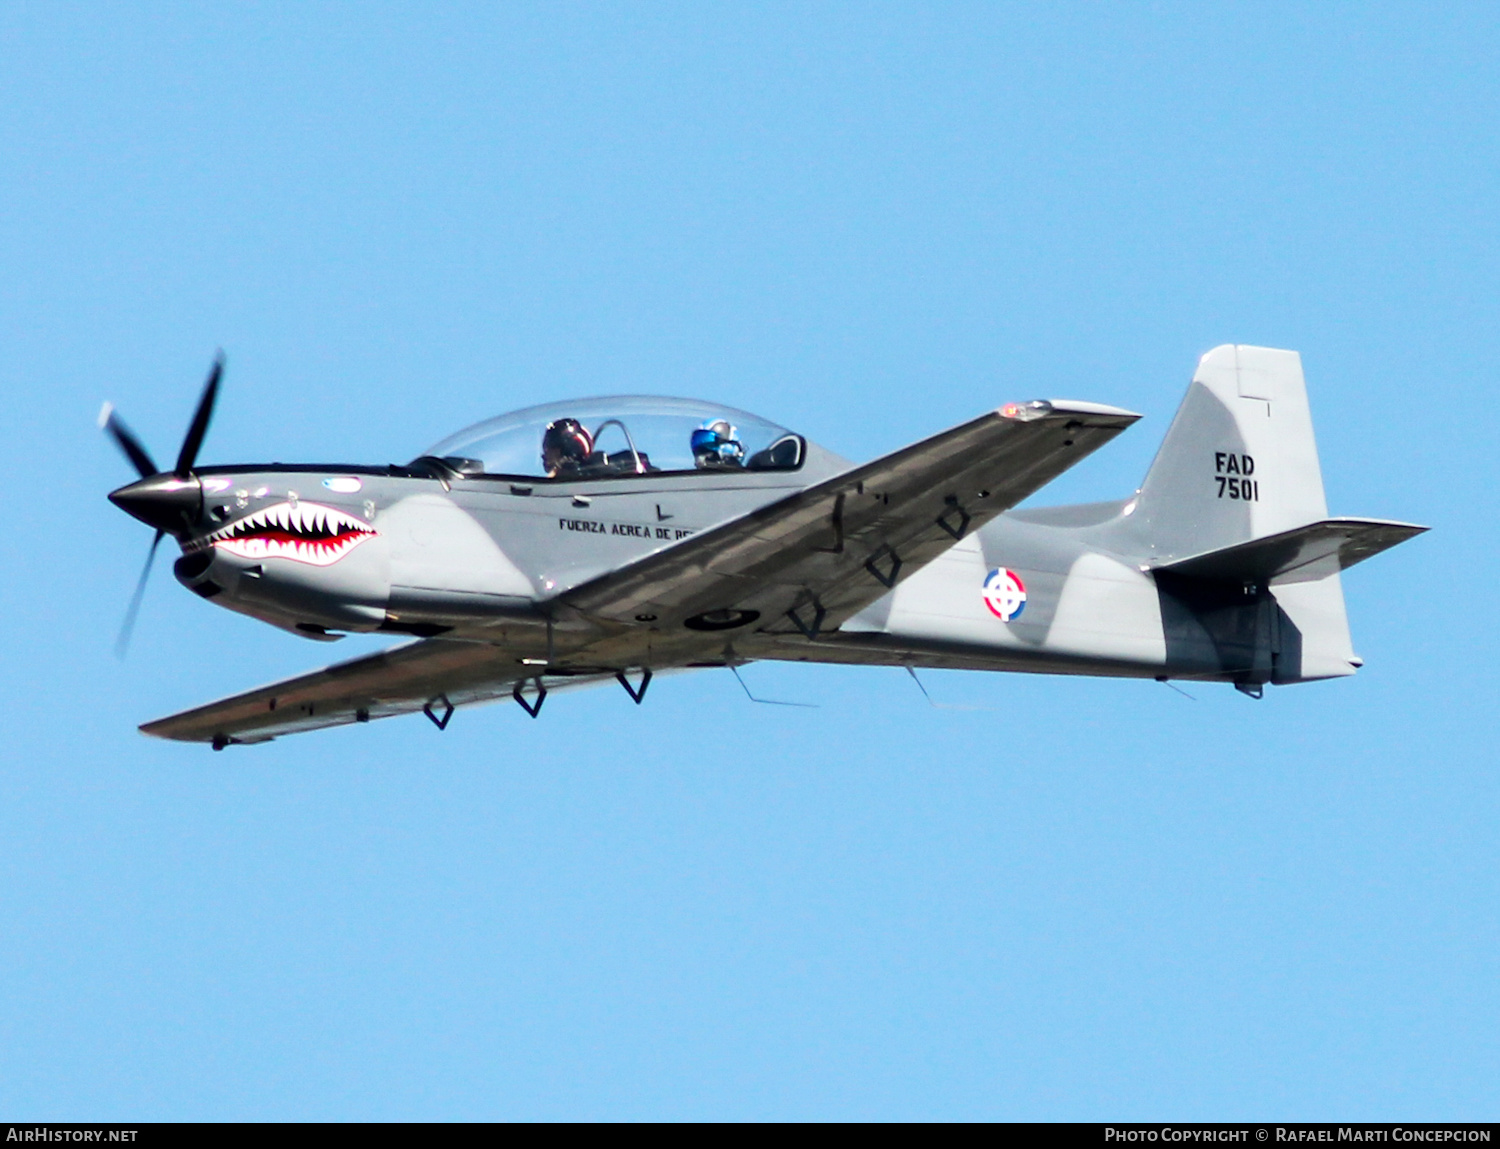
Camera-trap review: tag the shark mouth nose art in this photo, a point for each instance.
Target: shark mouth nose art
(302, 532)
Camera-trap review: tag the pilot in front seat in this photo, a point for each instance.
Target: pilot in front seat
(715, 446)
(566, 447)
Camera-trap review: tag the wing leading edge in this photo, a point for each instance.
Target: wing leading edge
(402, 680)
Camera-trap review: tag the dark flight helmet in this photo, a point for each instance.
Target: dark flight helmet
(565, 446)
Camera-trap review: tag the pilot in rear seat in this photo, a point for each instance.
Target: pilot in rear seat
(715, 446)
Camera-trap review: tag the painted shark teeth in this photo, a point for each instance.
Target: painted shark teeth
(300, 531)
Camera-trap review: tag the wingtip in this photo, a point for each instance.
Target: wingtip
(1047, 408)
(1083, 407)
(105, 412)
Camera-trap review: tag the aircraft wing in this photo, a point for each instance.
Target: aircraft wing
(811, 560)
(401, 680)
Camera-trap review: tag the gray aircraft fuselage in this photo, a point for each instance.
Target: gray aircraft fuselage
(1222, 567)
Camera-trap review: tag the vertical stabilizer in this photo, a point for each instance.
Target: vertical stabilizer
(1240, 463)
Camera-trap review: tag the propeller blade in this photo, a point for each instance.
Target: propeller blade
(115, 428)
(199, 426)
(122, 643)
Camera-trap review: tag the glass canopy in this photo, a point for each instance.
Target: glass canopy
(621, 436)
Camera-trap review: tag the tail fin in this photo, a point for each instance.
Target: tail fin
(1232, 505)
(1239, 461)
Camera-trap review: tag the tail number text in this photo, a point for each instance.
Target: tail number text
(1232, 472)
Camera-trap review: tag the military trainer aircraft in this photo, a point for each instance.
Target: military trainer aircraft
(608, 539)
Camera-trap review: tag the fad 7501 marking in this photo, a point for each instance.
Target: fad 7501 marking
(1232, 472)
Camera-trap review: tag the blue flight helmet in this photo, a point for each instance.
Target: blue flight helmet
(715, 445)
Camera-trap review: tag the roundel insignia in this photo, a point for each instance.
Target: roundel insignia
(1004, 593)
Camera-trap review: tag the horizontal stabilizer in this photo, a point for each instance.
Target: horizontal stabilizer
(1305, 554)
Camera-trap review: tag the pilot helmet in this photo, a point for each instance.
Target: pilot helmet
(715, 445)
(565, 443)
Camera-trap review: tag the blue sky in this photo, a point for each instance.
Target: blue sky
(1052, 899)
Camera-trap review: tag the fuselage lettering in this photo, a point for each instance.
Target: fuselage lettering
(628, 530)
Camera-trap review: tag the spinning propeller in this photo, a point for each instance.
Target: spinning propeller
(171, 500)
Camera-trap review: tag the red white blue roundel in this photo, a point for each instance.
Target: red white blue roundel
(1004, 593)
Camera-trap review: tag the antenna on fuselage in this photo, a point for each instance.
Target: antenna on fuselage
(766, 701)
(1165, 681)
(912, 670)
